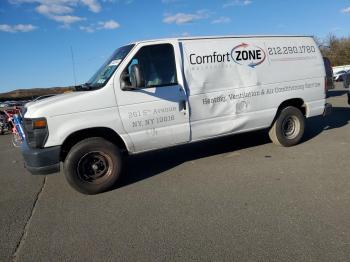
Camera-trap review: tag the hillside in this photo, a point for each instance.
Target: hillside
(28, 94)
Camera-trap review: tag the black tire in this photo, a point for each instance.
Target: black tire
(288, 127)
(1, 131)
(93, 165)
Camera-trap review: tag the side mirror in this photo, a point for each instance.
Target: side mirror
(136, 77)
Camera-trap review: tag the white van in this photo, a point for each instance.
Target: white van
(160, 93)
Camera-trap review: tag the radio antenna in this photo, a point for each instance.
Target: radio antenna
(73, 65)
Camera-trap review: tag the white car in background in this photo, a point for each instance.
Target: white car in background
(339, 76)
(346, 84)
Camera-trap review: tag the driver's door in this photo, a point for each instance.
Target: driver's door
(155, 115)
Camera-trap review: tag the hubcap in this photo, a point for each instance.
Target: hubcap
(290, 127)
(95, 167)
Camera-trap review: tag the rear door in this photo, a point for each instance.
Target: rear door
(155, 116)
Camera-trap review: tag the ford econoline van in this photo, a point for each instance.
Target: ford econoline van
(160, 93)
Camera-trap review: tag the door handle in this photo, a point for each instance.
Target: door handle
(183, 101)
(183, 106)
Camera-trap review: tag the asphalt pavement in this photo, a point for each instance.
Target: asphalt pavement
(238, 198)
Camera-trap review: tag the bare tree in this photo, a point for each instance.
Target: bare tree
(336, 49)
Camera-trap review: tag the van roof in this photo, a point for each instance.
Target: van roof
(214, 37)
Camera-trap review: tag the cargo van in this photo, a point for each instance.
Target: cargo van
(161, 93)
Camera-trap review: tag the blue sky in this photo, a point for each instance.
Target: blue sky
(36, 36)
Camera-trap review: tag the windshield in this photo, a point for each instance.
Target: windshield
(105, 72)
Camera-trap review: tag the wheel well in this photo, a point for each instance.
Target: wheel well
(296, 102)
(80, 135)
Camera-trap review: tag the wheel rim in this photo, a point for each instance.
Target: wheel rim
(290, 127)
(95, 167)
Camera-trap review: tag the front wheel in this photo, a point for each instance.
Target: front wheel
(93, 165)
(288, 127)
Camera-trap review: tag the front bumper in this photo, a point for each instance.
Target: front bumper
(327, 109)
(41, 161)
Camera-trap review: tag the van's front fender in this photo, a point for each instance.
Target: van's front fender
(62, 126)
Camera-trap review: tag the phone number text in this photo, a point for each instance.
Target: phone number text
(287, 50)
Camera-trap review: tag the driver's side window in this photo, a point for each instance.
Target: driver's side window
(157, 64)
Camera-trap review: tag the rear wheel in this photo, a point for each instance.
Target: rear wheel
(288, 127)
(93, 165)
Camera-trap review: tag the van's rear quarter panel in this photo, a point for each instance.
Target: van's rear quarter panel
(229, 95)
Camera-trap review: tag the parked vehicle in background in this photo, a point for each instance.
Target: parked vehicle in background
(347, 85)
(13, 124)
(337, 69)
(329, 73)
(346, 82)
(160, 93)
(339, 76)
(2, 126)
(15, 103)
(4, 122)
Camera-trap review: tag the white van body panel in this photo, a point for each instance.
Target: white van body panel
(228, 97)
(225, 85)
(76, 111)
(154, 117)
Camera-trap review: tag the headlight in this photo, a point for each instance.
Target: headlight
(36, 131)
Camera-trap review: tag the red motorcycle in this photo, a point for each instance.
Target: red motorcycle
(13, 121)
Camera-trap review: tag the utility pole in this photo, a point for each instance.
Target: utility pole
(73, 65)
